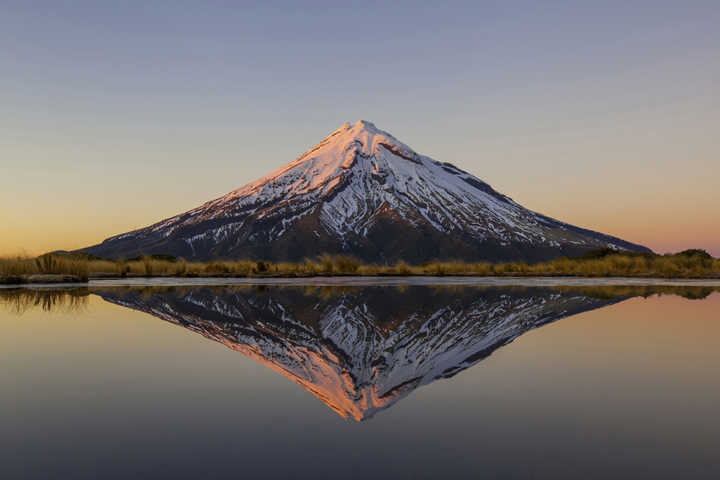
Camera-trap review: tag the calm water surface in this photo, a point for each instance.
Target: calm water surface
(360, 382)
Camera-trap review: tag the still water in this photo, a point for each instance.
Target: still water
(360, 382)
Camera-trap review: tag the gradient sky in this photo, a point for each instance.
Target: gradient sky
(114, 115)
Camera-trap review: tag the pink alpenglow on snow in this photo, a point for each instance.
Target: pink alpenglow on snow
(362, 192)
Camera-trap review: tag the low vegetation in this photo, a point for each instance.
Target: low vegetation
(601, 263)
(49, 266)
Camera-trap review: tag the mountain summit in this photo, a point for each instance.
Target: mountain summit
(362, 192)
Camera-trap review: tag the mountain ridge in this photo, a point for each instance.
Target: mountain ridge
(360, 191)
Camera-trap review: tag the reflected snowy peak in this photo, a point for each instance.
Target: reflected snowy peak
(361, 350)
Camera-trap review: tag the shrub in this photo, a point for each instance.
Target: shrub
(346, 264)
(216, 268)
(181, 268)
(148, 265)
(695, 252)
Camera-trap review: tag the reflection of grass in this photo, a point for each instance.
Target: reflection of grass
(21, 300)
(689, 264)
(608, 292)
(617, 291)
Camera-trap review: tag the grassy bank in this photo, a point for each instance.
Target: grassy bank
(688, 264)
(48, 267)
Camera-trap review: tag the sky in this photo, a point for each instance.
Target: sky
(114, 115)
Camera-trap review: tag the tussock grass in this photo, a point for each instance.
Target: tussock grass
(14, 267)
(688, 264)
(48, 264)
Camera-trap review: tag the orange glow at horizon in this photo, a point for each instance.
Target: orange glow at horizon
(664, 231)
(106, 132)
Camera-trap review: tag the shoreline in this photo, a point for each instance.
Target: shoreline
(379, 280)
(72, 268)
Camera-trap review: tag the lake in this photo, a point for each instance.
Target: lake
(345, 379)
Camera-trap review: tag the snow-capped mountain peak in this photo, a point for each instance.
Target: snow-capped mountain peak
(328, 160)
(364, 192)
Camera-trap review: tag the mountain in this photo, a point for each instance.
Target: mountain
(362, 192)
(361, 350)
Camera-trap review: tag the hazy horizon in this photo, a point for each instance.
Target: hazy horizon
(117, 116)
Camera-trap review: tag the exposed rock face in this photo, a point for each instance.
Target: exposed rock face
(362, 192)
(360, 350)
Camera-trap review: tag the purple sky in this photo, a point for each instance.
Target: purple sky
(117, 114)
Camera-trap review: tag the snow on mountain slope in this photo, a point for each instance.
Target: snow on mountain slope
(359, 169)
(352, 193)
(361, 351)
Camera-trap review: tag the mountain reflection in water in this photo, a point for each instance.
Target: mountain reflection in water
(358, 349)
